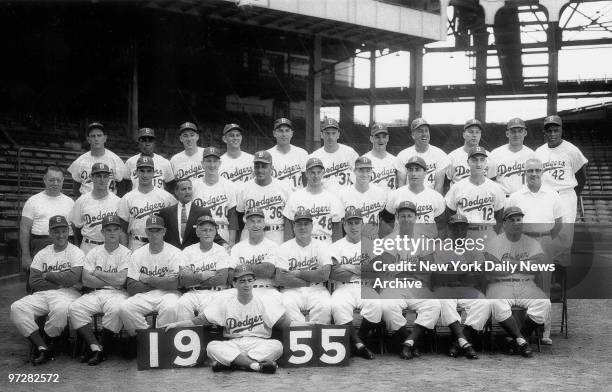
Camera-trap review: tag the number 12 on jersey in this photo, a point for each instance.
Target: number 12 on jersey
(315, 345)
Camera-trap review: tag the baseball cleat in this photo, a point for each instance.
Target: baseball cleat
(365, 352)
(43, 357)
(268, 367)
(406, 352)
(219, 367)
(85, 357)
(96, 358)
(525, 350)
(546, 341)
(454, 350)
(469, 352)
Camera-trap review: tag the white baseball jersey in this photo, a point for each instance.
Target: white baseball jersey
(254, 319)
(87, 214)
(80, 170)
(540, 208)
(237, 169)
(48, 260)
(246, 253)
(459, 168)
(429, 203)
(142, 261)
(163, 170)
(40, 207)
(102, 260)
(135, 207)
(560, 165)
(348, 253)
(384, 170)
(187, 166)
(338, 165)
(504, 250)
(219, 198)
(370, 202)
(214, 259)
(271, 198)
(291, 256)
(477, 202)
(325, 208)
(434, 157)
(509, 167)
(290, 166)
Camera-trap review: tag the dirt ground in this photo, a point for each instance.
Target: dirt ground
(581, 362)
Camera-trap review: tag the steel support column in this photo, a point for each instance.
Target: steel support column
(313, 96)
(372, 100)
(553, 35)
(481, 41)
(416, 82)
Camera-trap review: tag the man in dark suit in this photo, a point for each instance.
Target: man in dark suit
(181, 218)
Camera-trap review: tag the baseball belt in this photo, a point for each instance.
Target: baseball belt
(38, 236)
(512, 280)
(534, 234)
(320, 237)
(480, 227)
(216, 288)
(141, 239)
(261, 286)
(275, 227)
(88, 241)
(222, 225)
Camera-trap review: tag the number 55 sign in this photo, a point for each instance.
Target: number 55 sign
(316, 345)
(179, 347)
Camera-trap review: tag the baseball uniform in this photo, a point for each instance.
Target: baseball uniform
(80, 170)
(51, 302)
(163, 170)
(107, 299)
(338, 166)
(430, 205)
(246, 253)
(384, 170)
(509, 167)
(186, 166)
(87, 215)
(325, 208)
(40, 207)
(290, 166)
(434, 157)
(219, 199)
(370, 202)
(459, 168)
(313, 298)
(164, 302)
(135, 207)
(237, 169)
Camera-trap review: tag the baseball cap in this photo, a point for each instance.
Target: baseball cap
(515, 123)
(329, 123)
(406, 205)
(378, 128)
(352, 212)
(208, 151)
(145, 162)
(512, 211)
(99, 167)
(417, 123)
(58, 221)
(477, 151)
(554, 119)
(363, 161)
(416, 160)
(302, 214)
(255, 211)
(312, 162)
(155, 222)
(283, 121)
(112, 219)
(472, 122)
(187, 126)
(95, 125)
(262, 156)
(146, 132)
(457, 218)
(206, 218)
(231, 127)
(242, 270)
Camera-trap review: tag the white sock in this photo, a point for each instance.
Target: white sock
(255, 366)
(95, 347)
(520, 341)
(462, 342)
(409, 342)
(359, 346)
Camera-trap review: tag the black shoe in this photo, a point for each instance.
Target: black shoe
(406, 352)
(219, 367)
(453, 351)
(44, 356)
(469, 352)
(268, 367)
(96, 358)
(365, 352)
(525, 350)
(85, 357)
(416, 352)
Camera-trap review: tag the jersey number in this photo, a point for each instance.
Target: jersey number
(558, 174)
(325, 222)
(221, 211)
(276, 212)
(487, 213)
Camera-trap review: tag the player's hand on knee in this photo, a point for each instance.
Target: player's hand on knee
(26, 261)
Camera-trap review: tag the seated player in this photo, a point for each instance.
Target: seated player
(249, 346)
(104, 274)
(55, 276)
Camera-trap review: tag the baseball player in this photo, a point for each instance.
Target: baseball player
(370, 200)
(205, 272)
(80, 168)
(236, 165)
(248, 319)
(55, 276)
(303, 267)
(509, 160)
(267, 193)
(188, 163)
(91, 208)
(395, 300)
(337, 158)
(385, 166)
(218, 194)
(437, 161)
(519, 289)
(324, 207)
(460, 290)
(152, 281)
(258, 251)
(104, 274)
(458, 168)
(430, 203)
(480, 199)
(164, 175)
(140, 203)
(288, 160)
(350, 292)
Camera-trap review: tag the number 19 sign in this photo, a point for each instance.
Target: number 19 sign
(179, 347)
(316, 345)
